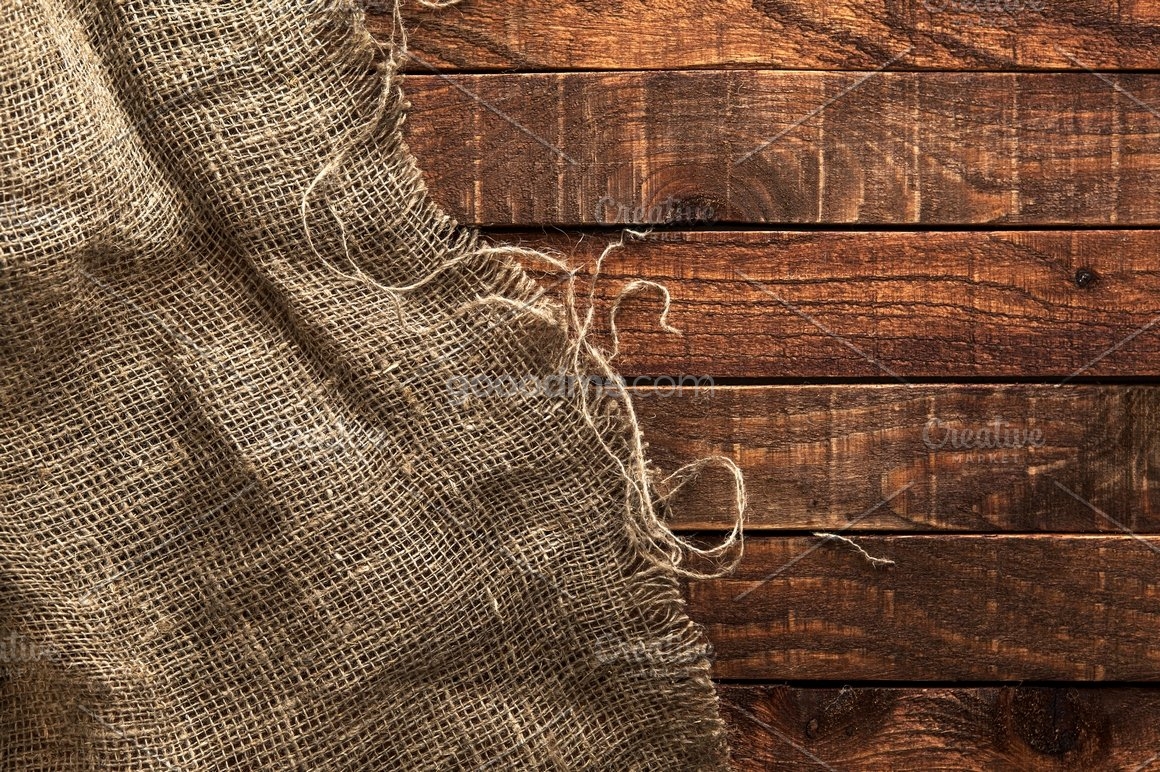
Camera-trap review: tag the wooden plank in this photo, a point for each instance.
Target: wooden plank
(888, 305)
(1002, 728)
(886, 457)
(759, 146)
(982, 608)
(805, 34)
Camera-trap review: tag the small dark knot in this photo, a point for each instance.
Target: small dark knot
(1085, 277)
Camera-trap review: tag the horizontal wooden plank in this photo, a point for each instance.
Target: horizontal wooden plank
(805, 34)
(982, 608)
(1033, 728)
(958, 457)
(759, 146)
(889, 305)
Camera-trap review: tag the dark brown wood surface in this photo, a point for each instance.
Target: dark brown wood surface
(952, 607)
(759, 146)
(1011, 457)
(978, 145)
(1030, 729)
(885, 305)
(804, 34)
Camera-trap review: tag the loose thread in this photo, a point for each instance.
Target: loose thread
(874, 561)
(690, 472)
(643, 510)
(630, 289)
(354, 137)
(521, 306)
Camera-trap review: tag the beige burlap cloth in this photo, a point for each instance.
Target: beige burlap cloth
(263, 505)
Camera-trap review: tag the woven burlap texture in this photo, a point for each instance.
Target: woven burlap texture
(261, 508)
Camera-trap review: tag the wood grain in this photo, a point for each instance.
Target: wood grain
(888, 305)
(1072, 459)
(759, 146)
(983, 608)
(804, 34)
(1023, 729)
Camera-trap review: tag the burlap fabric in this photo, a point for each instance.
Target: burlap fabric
(263, 506)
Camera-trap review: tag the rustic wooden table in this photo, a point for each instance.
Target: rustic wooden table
(911, 248)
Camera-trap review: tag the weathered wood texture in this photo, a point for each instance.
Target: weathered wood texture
(804, 34)
(921, 148)
(884, 305)
(758, 146)
(984, 608)
(958, 457)
(1020, 729)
